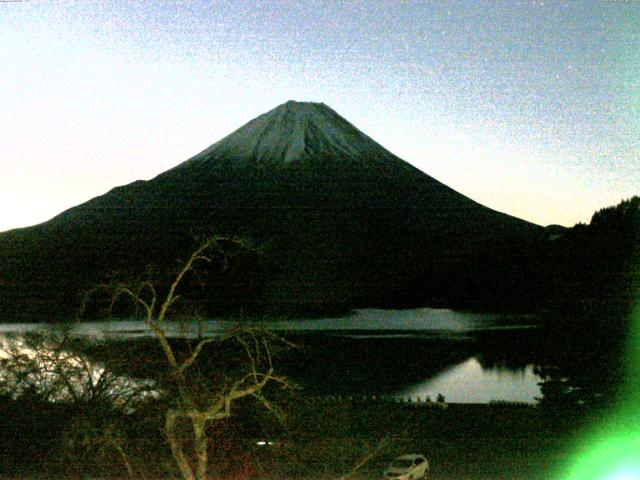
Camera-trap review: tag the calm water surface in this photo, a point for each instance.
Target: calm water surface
(468, 358)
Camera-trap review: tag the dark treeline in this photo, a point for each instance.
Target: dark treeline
(593, 281)
(596, 265)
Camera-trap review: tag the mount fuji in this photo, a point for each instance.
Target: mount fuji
(341, 223)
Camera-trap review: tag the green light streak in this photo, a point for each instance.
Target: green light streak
(625, 474)
(611, 451)
(613, 458)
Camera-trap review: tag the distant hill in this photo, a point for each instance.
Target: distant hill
(341, 222)
(597, 265)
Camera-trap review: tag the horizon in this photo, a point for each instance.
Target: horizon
(528, 108)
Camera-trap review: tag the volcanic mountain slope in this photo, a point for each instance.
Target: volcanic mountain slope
(341, 222)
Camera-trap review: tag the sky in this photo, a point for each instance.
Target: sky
(530, 108)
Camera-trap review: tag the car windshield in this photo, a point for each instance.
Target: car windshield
(402, 463)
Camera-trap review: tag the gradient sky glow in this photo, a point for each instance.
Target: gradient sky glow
(531, 108)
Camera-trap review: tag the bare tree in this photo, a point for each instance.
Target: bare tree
(193, 400)
(43, 367)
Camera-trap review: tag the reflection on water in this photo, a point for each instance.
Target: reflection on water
(469, 382)
(411, 353)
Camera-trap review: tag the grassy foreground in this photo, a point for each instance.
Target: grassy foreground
(315, 441)
(461, 441)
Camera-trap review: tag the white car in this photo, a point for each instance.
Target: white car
(407, 467)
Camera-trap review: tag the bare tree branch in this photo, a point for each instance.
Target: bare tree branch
(194, 355)
(370, 455)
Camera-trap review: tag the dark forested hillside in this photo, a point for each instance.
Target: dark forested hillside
(595, 265)
(593, 282)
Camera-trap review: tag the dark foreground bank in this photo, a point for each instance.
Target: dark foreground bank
(308, 440)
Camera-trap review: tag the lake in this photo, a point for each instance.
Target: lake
(410, 354)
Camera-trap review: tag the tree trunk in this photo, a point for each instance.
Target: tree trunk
(176, 449)
(201, 440)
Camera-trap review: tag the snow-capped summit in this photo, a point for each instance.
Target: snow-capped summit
(291, 132)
